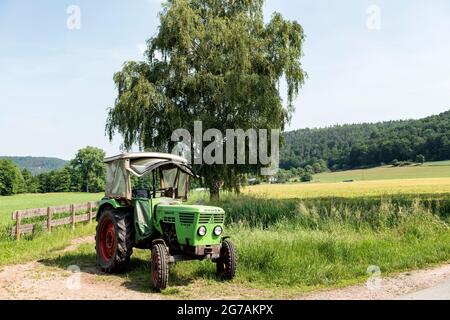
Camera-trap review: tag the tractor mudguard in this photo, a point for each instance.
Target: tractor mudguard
(104, 203)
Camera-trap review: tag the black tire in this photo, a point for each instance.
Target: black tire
(227, 262)
(160, 266)
(114, 241)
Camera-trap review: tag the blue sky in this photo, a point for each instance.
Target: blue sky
(56, 84)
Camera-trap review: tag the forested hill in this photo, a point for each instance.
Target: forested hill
(37, 164)
(369, 144)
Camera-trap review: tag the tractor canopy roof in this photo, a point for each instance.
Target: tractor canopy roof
(146, 155)
(119, 168)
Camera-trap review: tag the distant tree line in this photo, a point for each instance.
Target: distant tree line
(37, 164)
(85, 173)
(304, 174)
(365, 145)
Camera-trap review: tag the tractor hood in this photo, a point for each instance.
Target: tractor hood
(169, 204)
(180, 207)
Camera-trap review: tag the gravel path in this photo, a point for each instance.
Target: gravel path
(402, 286)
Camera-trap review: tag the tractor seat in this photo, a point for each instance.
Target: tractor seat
(142, 193)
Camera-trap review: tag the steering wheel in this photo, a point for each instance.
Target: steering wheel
(164, 190)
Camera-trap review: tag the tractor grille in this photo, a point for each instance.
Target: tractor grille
(211, 218)
(186, 218)
(205, 218)
(219, 218)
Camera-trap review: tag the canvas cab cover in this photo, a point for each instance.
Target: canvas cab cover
(174, 171)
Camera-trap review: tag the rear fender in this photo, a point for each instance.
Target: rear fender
(108, 203)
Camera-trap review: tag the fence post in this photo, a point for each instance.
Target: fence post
(90, 211)
(49, 219)
(72, 210)
(18, 218)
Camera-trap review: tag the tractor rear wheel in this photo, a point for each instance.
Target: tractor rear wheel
(160, 266)
(227, 262)
(114, 241)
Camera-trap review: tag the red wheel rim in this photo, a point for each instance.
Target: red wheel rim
(107, 239)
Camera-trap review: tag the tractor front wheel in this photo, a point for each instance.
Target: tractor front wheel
(227, 262)
(114, 241)
(160, 266)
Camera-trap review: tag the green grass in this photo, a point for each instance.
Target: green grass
(428, 170)
(40, 246)
(292, 258)
(304, 243)
(437, 163)
(295, 257)
(30, 201)
(292, 244)
(300, 245)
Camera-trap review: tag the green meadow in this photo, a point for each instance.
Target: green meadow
(290, 238)
(428, 170)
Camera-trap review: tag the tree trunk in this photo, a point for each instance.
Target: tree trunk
(214, 191)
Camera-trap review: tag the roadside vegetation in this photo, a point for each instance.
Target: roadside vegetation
(290, 237)
(302, 244)
(41, 244)
(295, 244)
(287, 246)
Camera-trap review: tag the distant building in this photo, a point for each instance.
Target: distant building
(273, 179)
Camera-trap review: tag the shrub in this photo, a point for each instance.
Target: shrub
(11, 179)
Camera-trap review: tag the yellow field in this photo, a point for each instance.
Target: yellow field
(351, 189)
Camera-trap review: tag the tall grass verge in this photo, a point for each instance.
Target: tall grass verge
(359, 213)
(296, 244)
(40, 245)
(318, 242)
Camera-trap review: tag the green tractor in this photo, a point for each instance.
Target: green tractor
(153, 216)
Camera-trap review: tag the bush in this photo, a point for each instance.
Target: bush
(11, 179)
(320, 166)
(420, 158)
(307, 177)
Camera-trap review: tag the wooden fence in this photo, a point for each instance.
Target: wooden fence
(78, 213)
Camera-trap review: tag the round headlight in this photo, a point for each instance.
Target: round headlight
(201, 231)
(218, 230)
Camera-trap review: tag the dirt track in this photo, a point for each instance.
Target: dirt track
(390, 288)
(35, 280)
